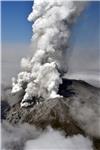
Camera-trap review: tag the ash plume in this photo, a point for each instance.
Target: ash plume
(27, 137)
(42, 73)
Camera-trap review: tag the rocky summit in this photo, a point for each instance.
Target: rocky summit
(77, 112)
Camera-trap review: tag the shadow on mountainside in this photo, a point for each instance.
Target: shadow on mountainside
(56, 112)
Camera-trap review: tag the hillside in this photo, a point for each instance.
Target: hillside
(76, 112)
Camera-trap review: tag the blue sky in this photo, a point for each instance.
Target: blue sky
(17, 32)
(87, 29)
(16, 28)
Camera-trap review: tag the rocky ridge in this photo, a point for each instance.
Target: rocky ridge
(58, 112)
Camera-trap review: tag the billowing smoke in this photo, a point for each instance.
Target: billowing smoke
(59, 142)
(27, 137)
(42, 73)
(14, 137)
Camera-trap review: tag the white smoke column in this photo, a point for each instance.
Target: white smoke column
(52, 21)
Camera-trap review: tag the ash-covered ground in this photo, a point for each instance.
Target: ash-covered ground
(75, 114)
(42, 110)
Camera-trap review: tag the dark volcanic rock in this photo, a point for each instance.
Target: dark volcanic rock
(5, 107)
(52, 112)
(77, 112)
(96, 143)
(79, 107)
(64, 88)
(16, 114)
